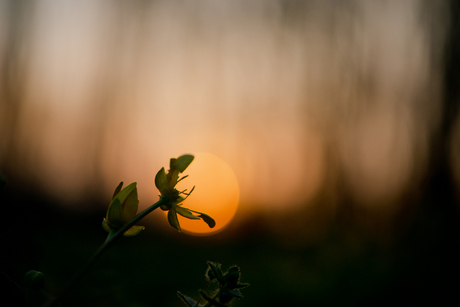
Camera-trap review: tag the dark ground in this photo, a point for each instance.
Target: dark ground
(345, 268)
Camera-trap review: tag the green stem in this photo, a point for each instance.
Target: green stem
(214, 298)
(205, 288)
(111, 238)
(209, 304)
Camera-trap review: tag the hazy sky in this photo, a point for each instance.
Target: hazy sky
(288, 96)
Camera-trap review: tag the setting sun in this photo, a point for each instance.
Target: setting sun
(216, 193)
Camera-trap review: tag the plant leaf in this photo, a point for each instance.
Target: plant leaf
(186, 213)
(161, 182)
(130, 206)
(115, 213)
(213, 301)
(105, 225)
(209, 220)
(117, 189)
(215, 268)
(182, 162)
(235, 293)
(240, 285)
(172, 218)
(133, 231)
(124, 193)
(188, 300)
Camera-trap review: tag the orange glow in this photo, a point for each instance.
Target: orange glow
(216, 193)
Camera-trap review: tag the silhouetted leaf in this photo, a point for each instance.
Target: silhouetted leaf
(188, 300)
(209, 220)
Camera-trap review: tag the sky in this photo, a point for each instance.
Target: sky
(290, 96)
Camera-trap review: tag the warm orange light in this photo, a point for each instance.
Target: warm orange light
(216, 193)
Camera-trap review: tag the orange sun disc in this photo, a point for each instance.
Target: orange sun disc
(216, 193)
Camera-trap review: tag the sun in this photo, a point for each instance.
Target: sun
(216, 193)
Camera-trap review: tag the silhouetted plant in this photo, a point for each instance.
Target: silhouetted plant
(166, 183)
(121, 220)
(228, 287)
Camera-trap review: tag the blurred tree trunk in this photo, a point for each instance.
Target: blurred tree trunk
(430, 251)
(13, 75)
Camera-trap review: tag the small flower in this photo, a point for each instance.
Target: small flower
(228, 287)
(166, 183)
(229, 284)
(122, 209)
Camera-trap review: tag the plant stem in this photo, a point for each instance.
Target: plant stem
(205, 288)
(111, 238)
(210, 303)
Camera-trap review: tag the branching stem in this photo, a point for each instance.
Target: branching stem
(111, 238)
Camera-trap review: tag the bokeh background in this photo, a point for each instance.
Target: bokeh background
(339, 119)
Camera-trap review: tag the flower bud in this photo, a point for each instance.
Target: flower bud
(34, 280)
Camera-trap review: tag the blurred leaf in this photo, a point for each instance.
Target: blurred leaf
(209, 299)
(34, 280)
(188, 300)
(217, 272)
